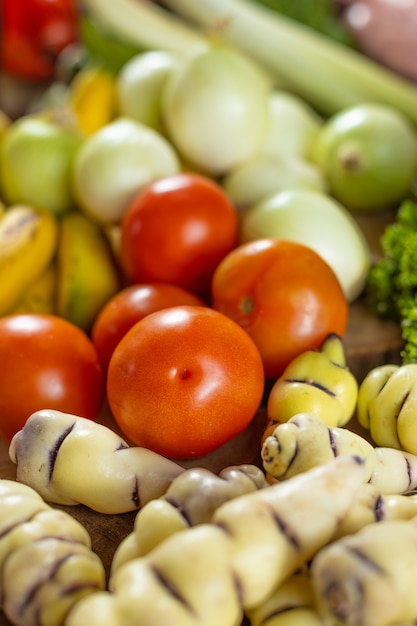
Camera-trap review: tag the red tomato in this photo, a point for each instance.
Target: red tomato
(176, 231)
(129, 306)
(284, 295)
(46, 363)
(184, 381)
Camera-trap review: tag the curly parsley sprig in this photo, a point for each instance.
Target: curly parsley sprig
(392, 281)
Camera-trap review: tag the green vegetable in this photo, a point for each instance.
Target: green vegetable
(318, 14)
(391, 288)
(143, 24)
(110, 51)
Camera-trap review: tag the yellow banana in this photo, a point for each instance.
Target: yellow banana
(28, 243)
(93, 99)
(387, 404)
(87, 271)
(40, 296)
(317, 381)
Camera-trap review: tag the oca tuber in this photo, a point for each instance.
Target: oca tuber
(191, 499)
(211, 573)
(46, 561)
(305, 441)
(72, 460)
(368, 578)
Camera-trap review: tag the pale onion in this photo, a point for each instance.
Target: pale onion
(140, 84)
(293, 126)
(265, 175)
(318, 221)
(117, 162)
(36, 156)
(215, 108)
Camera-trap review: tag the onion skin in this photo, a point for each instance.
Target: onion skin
(215, 108)
(116, 163)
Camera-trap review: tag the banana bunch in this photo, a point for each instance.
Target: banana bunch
(387, 406)
(28, 242)
(65, 266)
(317, 381)
(92, 98)
(87, 270)
(305, 441)
(46, 561)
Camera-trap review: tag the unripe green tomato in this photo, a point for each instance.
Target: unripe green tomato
(36, 157)
(368, 153)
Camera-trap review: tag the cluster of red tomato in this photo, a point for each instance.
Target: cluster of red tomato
(182, 352)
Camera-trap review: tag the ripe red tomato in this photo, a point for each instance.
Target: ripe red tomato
(176, 231)
(185, 380)
(129, 306)
(47, 363)
(284, 295)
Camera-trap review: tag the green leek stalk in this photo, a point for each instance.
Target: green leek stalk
(327, 74)
(143, 24)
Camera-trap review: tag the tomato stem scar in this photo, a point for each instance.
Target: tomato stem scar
(247, 305)
(184, 374)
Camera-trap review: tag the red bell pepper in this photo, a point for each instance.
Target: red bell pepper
(34, 32)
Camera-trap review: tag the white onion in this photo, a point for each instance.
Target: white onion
(117, 162)
(215, 108)
(293, 126)
(266, 175)
(318, 221)
(140, 84)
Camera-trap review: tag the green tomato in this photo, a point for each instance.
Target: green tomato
(36, 157)
(368, 154)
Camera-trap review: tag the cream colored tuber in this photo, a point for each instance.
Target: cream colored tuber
(305, 441)
(211, 573)
(291, 604)
(191, 499)
(387, 404)
(368, 578)
(72, 460)
(46, 561)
